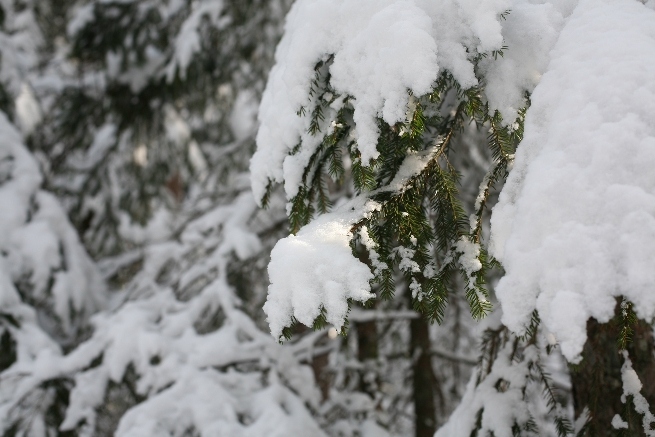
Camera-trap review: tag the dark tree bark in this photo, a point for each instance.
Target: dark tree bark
(367, 349)
(424, 403)
(323, 377)
(596, 381)
(367, 340)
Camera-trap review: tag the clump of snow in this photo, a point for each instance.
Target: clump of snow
(413, 164)
(618, 423)
(382, 49)
(27, 109)
(632, 387)
(315, 270)
(575, 223)
(530, 31)
(370, 245)
(406, 263)
(177, 130)
(469, 255)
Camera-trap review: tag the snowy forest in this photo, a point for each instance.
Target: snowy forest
(327, 218)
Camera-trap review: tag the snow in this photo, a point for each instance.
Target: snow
(192, 384)
(243, 119)
(501, 408)
(315, 270)
(382, 49)
(618, 423)
(574, 227)
(632, 387)
(176, 333)
(103, 140)
(575, 223)
(370, 246)
(529, 31)
(469, 254)
(42, 261)
(36, 239)
(27, 109)
(81, 17)
(187, 41)
(177, 130)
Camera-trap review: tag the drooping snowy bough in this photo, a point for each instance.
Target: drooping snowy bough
(376, 95)
(380, 88)
(366, 106)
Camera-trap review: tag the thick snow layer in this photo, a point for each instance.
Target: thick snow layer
(575, 223)
(315, 270)
(530, 31)
(382, 49)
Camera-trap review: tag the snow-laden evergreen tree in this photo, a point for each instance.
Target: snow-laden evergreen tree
(49, 286)
(363, 121)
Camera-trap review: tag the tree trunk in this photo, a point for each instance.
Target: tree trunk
(424, 404)
(367, 349)
(597, 384)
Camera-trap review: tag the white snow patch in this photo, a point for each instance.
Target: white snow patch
(316, 269)
(575, 223)
(27, 109)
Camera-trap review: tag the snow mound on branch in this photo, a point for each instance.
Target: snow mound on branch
(530, 32)
(575, 223)
(315, 270)
(382, 49)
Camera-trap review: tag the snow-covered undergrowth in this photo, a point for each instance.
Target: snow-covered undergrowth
(575, 223)
(176, 350)
(202, 363)
(40, 249)
(48, 285)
